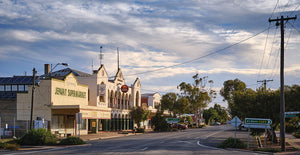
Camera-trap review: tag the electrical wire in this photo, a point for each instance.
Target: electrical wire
(201, 57)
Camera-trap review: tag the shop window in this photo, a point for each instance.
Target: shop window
(14, 87)
(1, 87)
(7, 87)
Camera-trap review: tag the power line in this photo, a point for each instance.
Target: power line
(204, 56)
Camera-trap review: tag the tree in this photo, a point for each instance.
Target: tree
(215, 114)
(181, 106)
(138, 115)
(197, 94)
(168, 101)
(159, 122)
(230, 87)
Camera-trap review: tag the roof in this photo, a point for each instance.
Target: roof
(66, 71)
(28, 80)
(148, 94)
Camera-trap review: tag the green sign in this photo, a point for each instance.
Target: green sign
(290, 115)
(172, 120)
(257, 121)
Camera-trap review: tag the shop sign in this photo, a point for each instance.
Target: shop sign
(124, 88)
(69, 92)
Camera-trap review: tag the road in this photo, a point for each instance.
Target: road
(190, 141)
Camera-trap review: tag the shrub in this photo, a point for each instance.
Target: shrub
(3, 145)
(38, 137)
(140, 130)
(297, 135)
(12, 147)
(72, 141)
(159, 122)
(229, 143)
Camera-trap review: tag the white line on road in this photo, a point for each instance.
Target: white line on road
(201, 145)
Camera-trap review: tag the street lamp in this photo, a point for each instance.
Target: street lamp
(64, 64)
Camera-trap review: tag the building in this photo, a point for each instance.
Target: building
(60, 95)
(9, 88)
(152, 102)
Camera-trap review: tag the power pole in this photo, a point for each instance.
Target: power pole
(282, 103)
(265, 83)
(32, 99)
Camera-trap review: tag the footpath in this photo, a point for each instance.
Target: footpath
(292, 142)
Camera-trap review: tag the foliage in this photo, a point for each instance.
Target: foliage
(2, 145)
(292, 124)
(215, 114)
(159, 122)
(197, 93)
(72, 141)
(140, 130)
(297, 135)
(229, 143)
(38, 137)
(261, 103)
(138, 114)
(12, 147)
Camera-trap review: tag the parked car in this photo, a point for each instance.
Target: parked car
(182, 126)
(242, 127)
(217, 123)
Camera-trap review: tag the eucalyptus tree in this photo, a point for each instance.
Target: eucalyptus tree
(197, 94)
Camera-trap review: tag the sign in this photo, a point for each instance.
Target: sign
(124, 88)
(236, 121)
(266, 126)
(172, 120)
(290, 115)
(257, 121)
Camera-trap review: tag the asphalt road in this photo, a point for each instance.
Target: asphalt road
(190, 141)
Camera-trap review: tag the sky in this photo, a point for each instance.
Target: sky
(163, 43)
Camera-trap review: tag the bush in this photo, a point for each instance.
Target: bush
(159, 122)
(38, 137)
(3, 145)
(12, 147)
(140, 130)
(72, 141)
(229, 143)
(297, 135)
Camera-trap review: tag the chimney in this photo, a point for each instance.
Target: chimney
(47, 68)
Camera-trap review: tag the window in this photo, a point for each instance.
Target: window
(21, 88)
(7, 87)
(83, 124)
(101, 98)
(26, 87)
(14, 87)
(1, 87)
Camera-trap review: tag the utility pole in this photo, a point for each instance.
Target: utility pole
(32, 99)
(282, 102)
(265, 83)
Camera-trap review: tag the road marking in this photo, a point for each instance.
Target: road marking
(201, 145)
(144, 149)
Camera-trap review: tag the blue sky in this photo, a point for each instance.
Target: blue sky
(152, 35)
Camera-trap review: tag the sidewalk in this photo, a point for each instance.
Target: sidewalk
(104, 135)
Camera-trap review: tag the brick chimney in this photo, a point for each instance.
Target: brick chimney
(47, 68)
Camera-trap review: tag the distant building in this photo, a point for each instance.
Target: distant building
(9, 88)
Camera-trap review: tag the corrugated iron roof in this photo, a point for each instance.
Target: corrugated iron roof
(27, 80)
